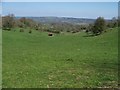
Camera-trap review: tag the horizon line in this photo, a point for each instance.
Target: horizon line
(63, 17)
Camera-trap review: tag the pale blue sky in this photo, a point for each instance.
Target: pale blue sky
(62, 9)
(60, 0)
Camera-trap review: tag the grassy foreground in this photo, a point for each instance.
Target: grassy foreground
(64, 60)
(0, 58)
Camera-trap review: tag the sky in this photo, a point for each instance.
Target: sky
(59, 0)
(61, 9)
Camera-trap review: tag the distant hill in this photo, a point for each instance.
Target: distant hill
(62, 20)
(70, 20)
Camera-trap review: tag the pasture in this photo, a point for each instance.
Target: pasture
(0, 58)
(69, 60)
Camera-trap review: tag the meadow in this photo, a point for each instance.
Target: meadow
(64, 60)
(0, 58)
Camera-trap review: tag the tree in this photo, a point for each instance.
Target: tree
(114, 22)
(26, 22)
(99, 26)
(18, 23)
(8, 21)
(23, 21)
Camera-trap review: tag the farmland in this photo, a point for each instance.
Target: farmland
(62, 60)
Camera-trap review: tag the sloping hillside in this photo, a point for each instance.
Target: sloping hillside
(63, 60)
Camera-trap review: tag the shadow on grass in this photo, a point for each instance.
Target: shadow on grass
(89, 35)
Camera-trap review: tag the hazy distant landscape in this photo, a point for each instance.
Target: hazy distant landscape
(62, 20)
(59, 52)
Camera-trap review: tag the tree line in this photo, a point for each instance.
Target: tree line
(96, 28)
(101, 26)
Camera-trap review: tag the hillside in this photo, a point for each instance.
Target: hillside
(64, 60)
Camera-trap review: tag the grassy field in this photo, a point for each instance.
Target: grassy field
(63, 60)
(0, 58)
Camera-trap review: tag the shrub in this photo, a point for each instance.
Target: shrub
(55, 31)
(36, 29)
(21, 30)
(68, 30)
(8, 29)
(99, 26)
(8, 21)
(30, 31)
(74, 31)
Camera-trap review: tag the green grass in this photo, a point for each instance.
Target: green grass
(0, 58)
(64, 60)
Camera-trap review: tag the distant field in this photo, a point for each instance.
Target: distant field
(64, 60)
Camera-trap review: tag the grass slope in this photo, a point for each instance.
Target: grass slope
(0, 58)
(65, 60)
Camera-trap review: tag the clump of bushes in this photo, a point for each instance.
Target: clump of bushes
(30, 31)
(8, 29)
(36, 29)
(73, 31)
(52, 31)
(55, 31)
(68, 31)
(21, 30)
(98, 27)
